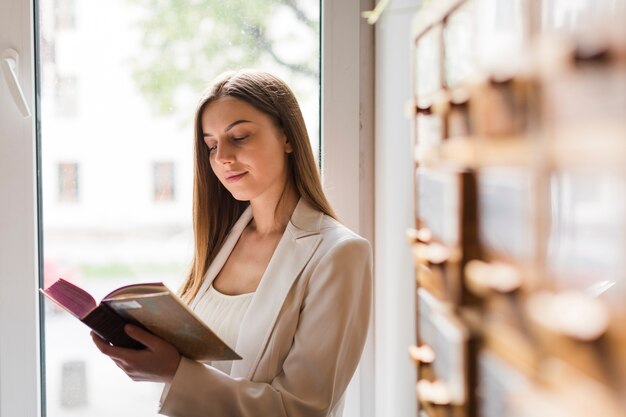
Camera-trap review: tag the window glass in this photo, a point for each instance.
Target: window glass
(119, 81)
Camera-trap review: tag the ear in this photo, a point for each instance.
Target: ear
(288, 147)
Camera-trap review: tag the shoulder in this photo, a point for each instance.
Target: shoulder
(307, 220)
(334, 237)
(333, 230)
(339, 239)
(341, 262)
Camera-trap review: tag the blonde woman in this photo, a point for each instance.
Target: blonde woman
(274, 272)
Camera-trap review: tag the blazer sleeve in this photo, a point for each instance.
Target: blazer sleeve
(325, 353)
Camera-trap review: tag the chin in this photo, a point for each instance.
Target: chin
(240, 198)
(241, 195)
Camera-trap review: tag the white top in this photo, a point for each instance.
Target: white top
(223, 314)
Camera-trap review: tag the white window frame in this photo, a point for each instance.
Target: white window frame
(395, 296)
(19, 301)
(347, 146)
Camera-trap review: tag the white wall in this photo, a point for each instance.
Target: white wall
(395, 288)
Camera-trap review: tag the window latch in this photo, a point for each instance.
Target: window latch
(10, 63)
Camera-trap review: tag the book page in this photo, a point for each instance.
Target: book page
(137, 289)
(70, 297)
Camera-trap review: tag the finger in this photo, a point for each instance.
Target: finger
(142, 336)
(106, 348)
(100, 343)
(120, 364)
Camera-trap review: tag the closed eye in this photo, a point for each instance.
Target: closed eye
(212, 148)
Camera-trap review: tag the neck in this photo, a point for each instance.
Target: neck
(271, 215)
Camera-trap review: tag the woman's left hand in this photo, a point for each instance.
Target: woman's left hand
(157, 363)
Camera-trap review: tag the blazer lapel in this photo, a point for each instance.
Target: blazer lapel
(297, 245)
(224, 253)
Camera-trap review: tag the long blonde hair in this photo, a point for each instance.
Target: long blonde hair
(215, 210)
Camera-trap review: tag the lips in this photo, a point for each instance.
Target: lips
(231, 178)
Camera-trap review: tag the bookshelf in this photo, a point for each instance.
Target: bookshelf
(519, 138)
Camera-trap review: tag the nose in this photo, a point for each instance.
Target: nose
(224, 154)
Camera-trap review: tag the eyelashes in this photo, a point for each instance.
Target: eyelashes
(237, 139)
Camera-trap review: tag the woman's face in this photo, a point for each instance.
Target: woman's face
(247, 151)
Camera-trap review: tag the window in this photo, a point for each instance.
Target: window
(163, 177)
(68, 182)
(126, 79)
(101, 136)
(65, 14)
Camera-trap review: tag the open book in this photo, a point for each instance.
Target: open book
(150, 306)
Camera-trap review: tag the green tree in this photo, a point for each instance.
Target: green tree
(186, 43)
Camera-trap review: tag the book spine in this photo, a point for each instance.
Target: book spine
(107, 324)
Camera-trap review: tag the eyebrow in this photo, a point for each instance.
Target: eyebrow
(230, 126)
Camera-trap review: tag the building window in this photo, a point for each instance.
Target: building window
(163, 178)
(68, 182)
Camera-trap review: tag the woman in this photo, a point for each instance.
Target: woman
(274, 273)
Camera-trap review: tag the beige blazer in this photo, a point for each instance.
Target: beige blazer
(302, 336)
